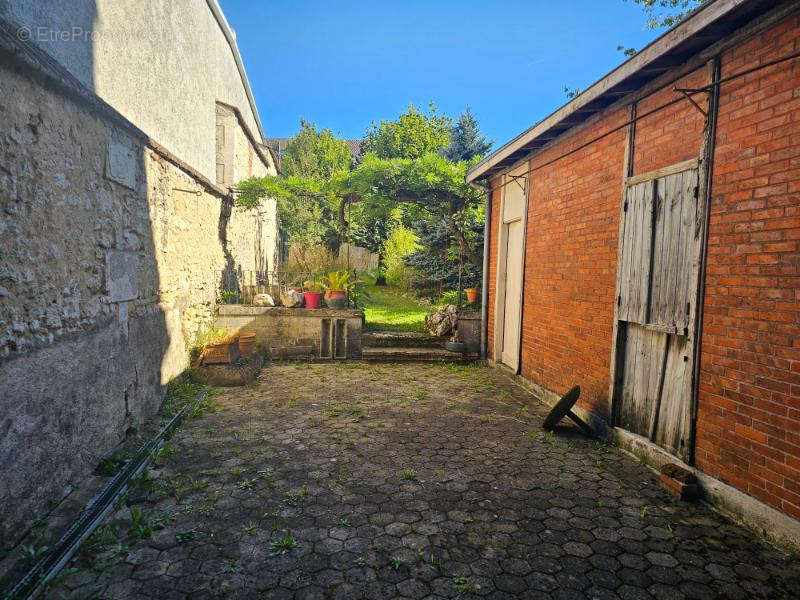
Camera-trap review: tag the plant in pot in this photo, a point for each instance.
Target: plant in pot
(222, 348)
(313, 292)
(336, 285)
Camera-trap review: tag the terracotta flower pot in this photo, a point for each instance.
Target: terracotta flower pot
(223, 353)
(313, 299)
(246, 342)
(336, 298)
(472, 294)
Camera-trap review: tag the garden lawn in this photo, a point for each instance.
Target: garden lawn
(389, 309)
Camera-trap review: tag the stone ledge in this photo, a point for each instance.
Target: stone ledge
(243, 310)
(776, 526)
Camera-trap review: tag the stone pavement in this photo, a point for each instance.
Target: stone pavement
(416, 481)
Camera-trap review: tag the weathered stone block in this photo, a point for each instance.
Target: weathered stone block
(122, 163)
(122, 275)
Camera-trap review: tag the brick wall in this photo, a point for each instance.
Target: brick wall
(673, 134)
(748, 426)
(570, 264)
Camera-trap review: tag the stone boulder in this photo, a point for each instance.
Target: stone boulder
(292, 299)
(442, 321)
(263, 300)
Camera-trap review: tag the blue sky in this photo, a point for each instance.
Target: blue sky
(345, 64)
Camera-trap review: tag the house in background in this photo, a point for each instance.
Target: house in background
(644, 242)
(124, 126)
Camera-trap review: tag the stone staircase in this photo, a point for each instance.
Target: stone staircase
(390, 346)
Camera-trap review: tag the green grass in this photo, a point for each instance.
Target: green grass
(388, 309)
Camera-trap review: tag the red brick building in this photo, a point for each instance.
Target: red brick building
(643, 242)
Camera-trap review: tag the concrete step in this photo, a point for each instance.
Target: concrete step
(403, 354)
(400, 339)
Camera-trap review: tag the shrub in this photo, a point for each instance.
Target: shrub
(400, 243)
(316, 258)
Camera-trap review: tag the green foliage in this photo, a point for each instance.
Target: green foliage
(210, 334)
(666, 13)
(413, 135)
(32, 552)
(466, 140)
(315, 154)
(113, 463)
(571, 92)
(401, 243)
(390, 309)
(436, 264)
(143, 523)
(231, 297)
(313, 285)
(282, 545)
(337, 281)
(627, 51)
(182, 391)
(308, 214)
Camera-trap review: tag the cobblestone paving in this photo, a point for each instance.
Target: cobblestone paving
(409, 481)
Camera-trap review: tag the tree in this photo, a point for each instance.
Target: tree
(466, 140)
(431, 183)
(317, 154)
(308, 213)
(677, 11)
(412, 135)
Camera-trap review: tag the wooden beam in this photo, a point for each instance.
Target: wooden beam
(686, 165)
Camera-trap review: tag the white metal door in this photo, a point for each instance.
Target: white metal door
(513, 283)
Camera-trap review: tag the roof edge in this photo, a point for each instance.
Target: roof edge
(213, 5)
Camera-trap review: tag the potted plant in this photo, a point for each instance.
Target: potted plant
(472, 295)
(336, 285)
(312, 293)
(222, 350)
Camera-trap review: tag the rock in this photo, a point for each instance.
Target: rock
(263, 300)
(292, 299)
(442, 321)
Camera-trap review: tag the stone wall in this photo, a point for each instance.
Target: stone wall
(110, 249)
(298, 332)
(178, 58)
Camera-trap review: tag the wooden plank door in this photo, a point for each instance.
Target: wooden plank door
(657, 281)
(513, 283)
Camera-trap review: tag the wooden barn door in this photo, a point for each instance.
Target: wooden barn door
(657, 282)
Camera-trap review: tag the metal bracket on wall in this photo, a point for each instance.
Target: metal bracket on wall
(516, 179)
(688, 92)
(195, 192)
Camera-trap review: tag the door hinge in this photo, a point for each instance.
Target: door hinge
(688, 307)
(619, 300)
(625, 206)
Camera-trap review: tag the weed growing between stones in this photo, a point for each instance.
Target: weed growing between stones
(282, 545)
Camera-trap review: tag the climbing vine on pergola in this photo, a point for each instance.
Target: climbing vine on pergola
(431, 183)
